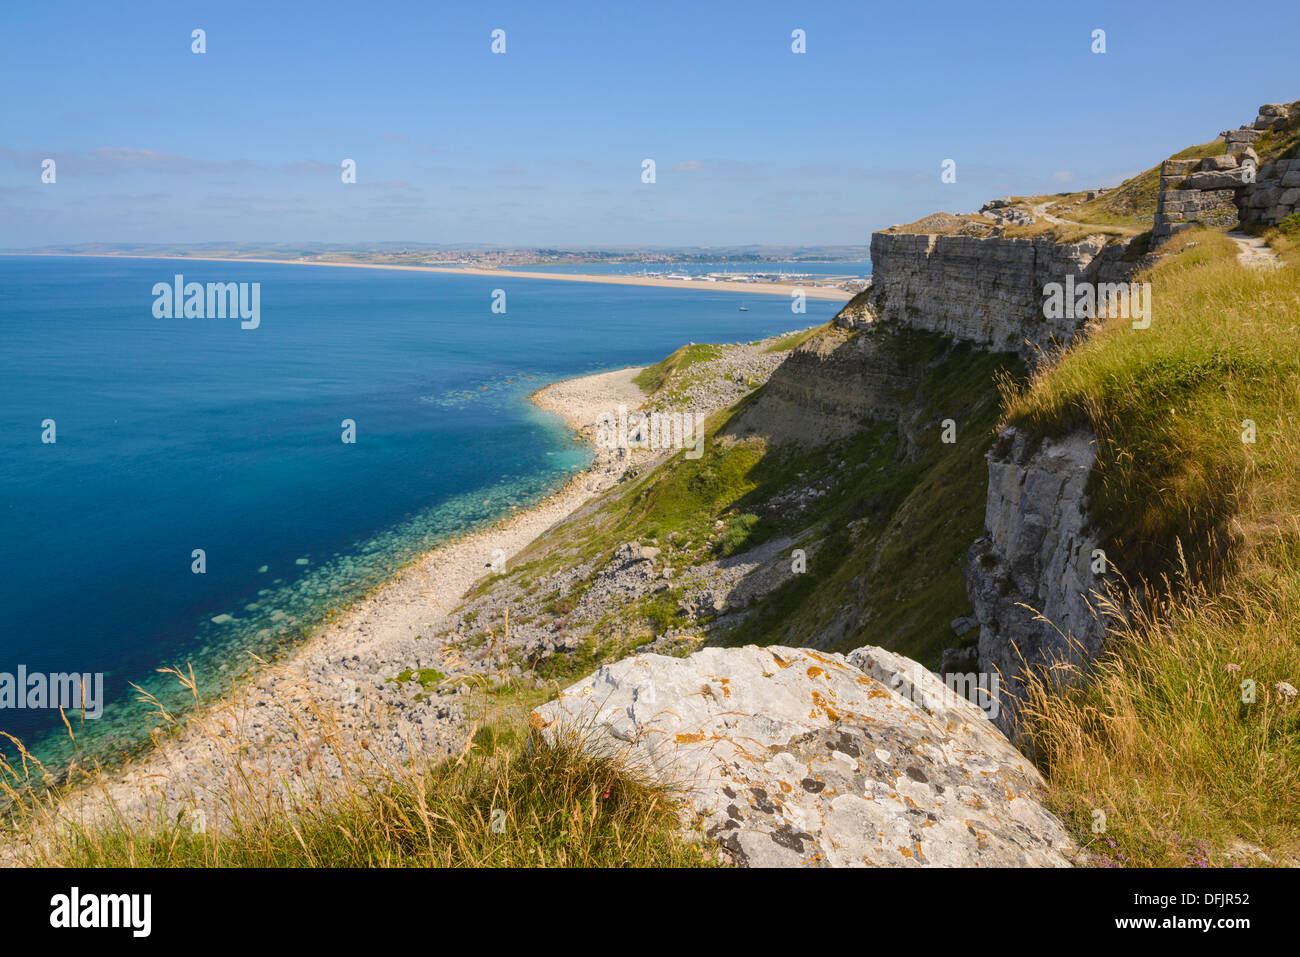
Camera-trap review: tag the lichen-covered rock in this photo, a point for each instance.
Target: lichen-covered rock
(793, 757)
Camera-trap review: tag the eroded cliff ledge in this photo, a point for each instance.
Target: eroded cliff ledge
(986, 291)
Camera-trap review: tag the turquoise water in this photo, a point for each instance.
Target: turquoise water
(182, 434)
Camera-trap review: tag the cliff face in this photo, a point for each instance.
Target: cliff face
(830, 386)
(874, 441)
(988, 292)
(1222, 190)
(1031, 574)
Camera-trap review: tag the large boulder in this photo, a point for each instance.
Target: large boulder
(792, 757)
(1225, 161)
(1217, 179)
(632, 552)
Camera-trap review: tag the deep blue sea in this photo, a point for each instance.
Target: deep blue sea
(179, 434)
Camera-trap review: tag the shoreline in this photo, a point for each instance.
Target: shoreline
(378, 635)
(757, 288)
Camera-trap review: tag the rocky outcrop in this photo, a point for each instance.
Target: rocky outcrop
(1030, 576)
(830, 387)
(1199, 192)
(1005, 212)
(1274, 195)
(988, 292)
(1220, 191)
(791, 757)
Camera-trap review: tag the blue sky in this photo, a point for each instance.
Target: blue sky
(543, 145)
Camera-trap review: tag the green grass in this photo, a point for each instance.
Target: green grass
(743, 532)
(1157, 734)
(427, 677)
(1134, 200)
(892, 532)
(794, 340)
(1167, 404)
(652, 378)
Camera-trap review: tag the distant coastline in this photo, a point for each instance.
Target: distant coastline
(755, 288)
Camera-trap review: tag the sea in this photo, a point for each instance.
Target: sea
(179, 492)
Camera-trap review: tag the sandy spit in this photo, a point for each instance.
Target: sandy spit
(757, 288)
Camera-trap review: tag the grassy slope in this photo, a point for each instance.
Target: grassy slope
(894, 533)
(1134, 200)
(549, 806)
(889, 535)
(652, 378)
(1159, 736)
(793, 340)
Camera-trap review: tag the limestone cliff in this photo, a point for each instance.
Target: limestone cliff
(830, 386)
(986, 291)
(1031, 575)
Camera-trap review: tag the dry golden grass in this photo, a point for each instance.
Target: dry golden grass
(511, 798)
(1134, 200)
(1157, 734)
(1183, 734)
(1071, 232)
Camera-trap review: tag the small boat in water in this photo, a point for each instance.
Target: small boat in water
(744, 308)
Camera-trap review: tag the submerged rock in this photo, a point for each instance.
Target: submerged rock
(793, 757)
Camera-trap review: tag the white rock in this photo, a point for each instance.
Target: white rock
(796, 757)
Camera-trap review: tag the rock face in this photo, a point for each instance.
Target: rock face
(1274, 195)
(988, 292)
(1199, 191)
(791, 757)
(1037, 551)
(1274, 116)
(829, 387)
(1005, 213)
(1222, 190)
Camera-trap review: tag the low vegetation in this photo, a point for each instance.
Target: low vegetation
(1071, 232)
(886, 522)
(652, 378)
(1186, 733)
(1170, 404)
(513, 798)
(1134, 200)
(794, 340)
